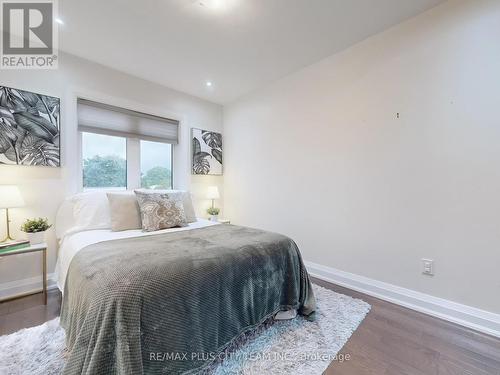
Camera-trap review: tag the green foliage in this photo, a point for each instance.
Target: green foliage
(35, 225)
(213, 211)
(107, 171)
(157, 178)
(111, 171)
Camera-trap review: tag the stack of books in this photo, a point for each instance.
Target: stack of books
(13, 245)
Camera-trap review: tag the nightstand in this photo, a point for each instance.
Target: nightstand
(42, 247)
(224, 221)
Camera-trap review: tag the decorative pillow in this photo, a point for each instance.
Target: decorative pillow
(160, 211)
(124, 211)
(186, 200)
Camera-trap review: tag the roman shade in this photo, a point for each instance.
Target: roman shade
(106, 119)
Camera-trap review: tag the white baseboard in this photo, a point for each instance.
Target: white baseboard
(471, 317)
(25, 286)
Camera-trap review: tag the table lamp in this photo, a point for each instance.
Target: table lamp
(10, 197)
(213, 194)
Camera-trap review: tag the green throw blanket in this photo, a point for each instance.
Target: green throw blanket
(169, 303)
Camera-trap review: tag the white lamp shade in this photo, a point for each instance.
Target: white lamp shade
(213, 192)
(10, 197)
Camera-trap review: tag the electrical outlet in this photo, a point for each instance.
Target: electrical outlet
(428, 267)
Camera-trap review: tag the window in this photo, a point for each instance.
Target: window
(104, 161)
(156, 165)
(124, 149)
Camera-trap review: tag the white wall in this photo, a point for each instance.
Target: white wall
(44, 188)
(322, 157)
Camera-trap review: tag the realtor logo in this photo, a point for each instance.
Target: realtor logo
(29, 34)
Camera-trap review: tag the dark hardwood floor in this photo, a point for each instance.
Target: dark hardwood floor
(28, 311)
(392, 340)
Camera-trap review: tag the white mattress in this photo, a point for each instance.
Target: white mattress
(75, 242)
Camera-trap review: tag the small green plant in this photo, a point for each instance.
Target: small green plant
(35, 225)
(213, 211)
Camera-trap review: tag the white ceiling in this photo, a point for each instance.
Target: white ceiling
(238, 45)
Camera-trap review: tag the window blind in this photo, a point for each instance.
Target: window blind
(106, 119)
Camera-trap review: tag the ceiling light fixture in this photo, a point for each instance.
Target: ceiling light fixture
(209, 84)
(213, 4)
(59, 21)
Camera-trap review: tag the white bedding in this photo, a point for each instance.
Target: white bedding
(73, 243)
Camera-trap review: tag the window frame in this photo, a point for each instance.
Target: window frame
(133, 159)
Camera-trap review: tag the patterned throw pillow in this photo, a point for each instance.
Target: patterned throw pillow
(160, 211)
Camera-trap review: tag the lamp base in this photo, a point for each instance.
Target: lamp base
(7, 239)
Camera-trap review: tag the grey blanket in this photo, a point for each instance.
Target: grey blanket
(169, 303)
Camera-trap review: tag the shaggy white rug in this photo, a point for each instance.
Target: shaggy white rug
(279, 347)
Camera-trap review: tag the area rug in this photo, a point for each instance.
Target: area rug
(277, 347)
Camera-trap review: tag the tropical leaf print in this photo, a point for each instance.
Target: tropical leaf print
(10, 98)
(5, 142)
(30, 98)
(6, 116)
(49, 106)
(38, 152)
(217, 154)
(212, 139)
(8, 135)
(207, 152)
(200, 163)
(201, 166)
(29, 128)
(196, 146)
(12, 155)
(36, 125)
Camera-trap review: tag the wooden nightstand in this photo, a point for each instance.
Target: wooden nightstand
(42, 247)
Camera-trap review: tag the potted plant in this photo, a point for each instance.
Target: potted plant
(35, 229)
(213, 212)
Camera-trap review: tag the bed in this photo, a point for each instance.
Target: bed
(168, 302)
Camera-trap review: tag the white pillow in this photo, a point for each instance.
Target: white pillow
(186, 201)
(91, 211)
(65, 220)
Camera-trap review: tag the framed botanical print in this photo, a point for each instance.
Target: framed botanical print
(29, 128)
(207, 152)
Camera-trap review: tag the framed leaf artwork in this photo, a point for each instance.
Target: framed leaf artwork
(29, 128)
(207, 152)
